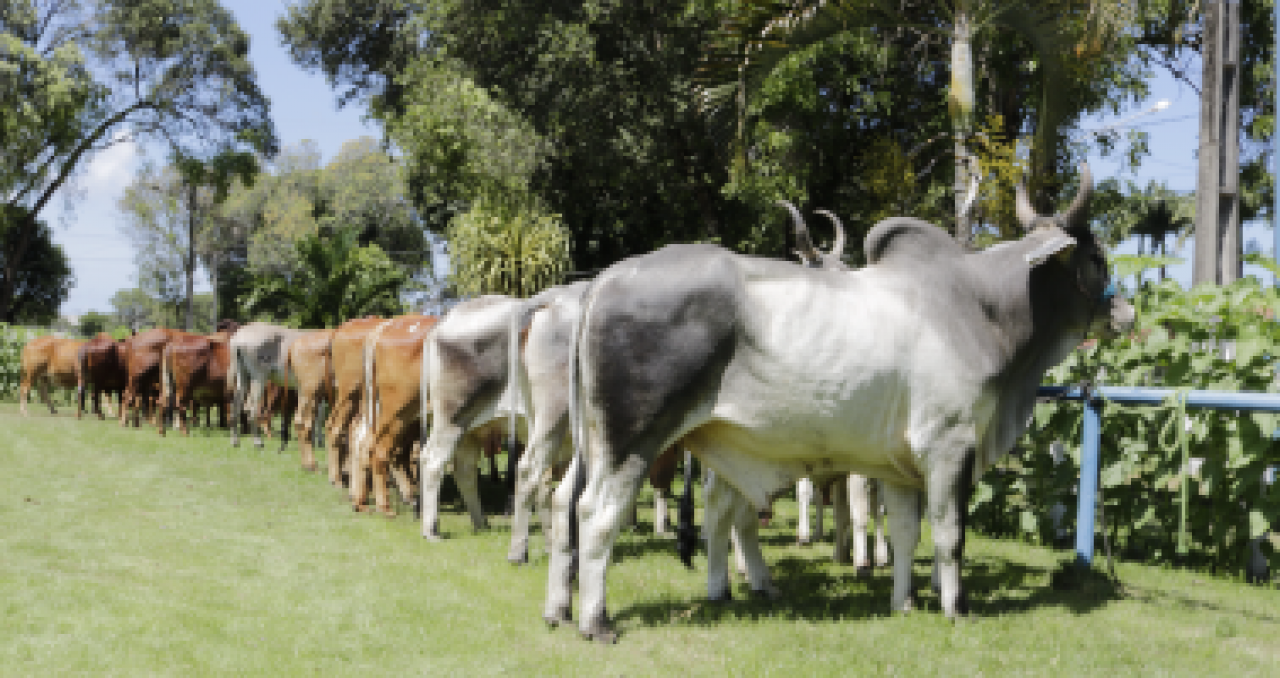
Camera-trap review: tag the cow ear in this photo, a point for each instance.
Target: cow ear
(1059, 244)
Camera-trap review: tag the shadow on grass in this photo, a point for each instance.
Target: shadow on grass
(815, 590)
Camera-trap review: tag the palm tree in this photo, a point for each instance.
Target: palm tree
(515, 250)
(336, 280)
(758, 36)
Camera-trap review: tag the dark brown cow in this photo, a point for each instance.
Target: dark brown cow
(346, 360)
(391, 411)
(143, 354)
(102, 370)
(48, 362)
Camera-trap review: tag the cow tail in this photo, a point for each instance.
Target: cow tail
(686, 531)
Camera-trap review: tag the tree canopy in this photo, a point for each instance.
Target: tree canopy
(78, 76)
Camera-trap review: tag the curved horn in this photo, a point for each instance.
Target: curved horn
(804, 244)
(1079, 203)
(1026, 213)
(837, 247)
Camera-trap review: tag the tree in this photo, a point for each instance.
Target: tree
(93, 322)
(762, 33)
(106, 71)
(40, 278)
(512, 250)
(337, 280)
(134, 309)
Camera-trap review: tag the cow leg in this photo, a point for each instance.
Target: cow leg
(303, 423)
(746, 527)
(903, 504)
(465, 475)
(608, 496)
(860, 515)
(717, 521)
(362, 443)
(402, 468)
(336, 440)
(840, 508)
(879, 520)
(562, 541)
(46, 394)
(804, 497)
(660, 512)
(436, 454)
(949, 487)
(531, 476)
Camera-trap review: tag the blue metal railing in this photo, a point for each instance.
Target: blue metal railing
(1092, 433)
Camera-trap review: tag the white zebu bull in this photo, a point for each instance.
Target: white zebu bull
(920, 369)
(259, 353)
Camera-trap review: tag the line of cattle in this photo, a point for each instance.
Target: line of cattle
(919, 369)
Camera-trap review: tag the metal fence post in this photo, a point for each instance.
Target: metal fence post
(1089, 465)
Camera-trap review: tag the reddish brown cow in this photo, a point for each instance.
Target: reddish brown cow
(47, 362)
(143, 354)
(309, 362)
(101, 370)
(391, 411)
(346, 361)
(194, 371)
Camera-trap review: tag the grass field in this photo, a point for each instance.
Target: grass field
(122, 553)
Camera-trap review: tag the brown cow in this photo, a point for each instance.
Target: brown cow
(391, 412)
(101, 370)
(48, 362)
(194, 371)
(346, 361)
(143, 354)
(309, 362)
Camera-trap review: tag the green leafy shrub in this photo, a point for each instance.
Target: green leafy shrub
(1207, 338)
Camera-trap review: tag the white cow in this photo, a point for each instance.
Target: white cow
(920, 369)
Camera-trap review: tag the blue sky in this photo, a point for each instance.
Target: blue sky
(304, 107)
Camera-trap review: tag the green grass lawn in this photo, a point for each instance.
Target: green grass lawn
(124, 553)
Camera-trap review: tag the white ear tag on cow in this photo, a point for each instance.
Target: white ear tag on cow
(1050, 247)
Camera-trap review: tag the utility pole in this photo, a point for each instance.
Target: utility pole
(1217, 255)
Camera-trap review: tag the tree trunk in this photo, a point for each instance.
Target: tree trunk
(960, 103)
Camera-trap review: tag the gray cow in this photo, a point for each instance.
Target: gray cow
(920, 369)
(259, 354)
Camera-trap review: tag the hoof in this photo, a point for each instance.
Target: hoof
(387, 511)
(518, 559)
(601, 632)
(722, 598)
(554, 619)
(863, 572)
(804, 542)
(768, 594)
(433, 537)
